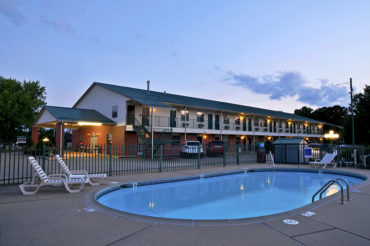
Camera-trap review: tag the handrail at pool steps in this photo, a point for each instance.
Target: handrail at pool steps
(330, 183)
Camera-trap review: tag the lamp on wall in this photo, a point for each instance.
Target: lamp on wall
(331, 135)
(85, 123)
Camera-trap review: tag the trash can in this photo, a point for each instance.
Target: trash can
(261, 155)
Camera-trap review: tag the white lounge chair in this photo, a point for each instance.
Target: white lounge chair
(92, 179)
(31, 188)
(327, 160)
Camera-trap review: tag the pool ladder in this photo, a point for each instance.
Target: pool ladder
(330, 183)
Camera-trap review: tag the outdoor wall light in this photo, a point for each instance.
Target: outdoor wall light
(331, 135)
(204, 136)
(84, 123)
(45, 139)
(242, 137)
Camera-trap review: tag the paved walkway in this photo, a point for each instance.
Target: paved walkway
(55, 217)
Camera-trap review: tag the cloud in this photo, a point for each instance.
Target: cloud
(291, 84)
(59, 26)
(8, 8)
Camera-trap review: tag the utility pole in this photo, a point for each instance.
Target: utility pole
(352, 118)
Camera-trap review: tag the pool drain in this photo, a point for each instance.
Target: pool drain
(291, 222)
(308, 214)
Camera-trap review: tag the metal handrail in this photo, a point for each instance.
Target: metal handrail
(347, 187)
(317, 192)
(341, 190)
(327, 185)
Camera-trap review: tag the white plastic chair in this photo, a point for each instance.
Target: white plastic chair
(327, 160)
(31, 188)
(92, 179)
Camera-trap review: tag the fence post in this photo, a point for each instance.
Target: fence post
(110, 159)
(198, 156)
(161, 159)
(224, 156)
(43, 156)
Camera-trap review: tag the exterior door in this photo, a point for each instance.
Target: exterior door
(249, 124)
(244, 124)
(210, 121)
(217, 122)
(130, 115)
(173, 118)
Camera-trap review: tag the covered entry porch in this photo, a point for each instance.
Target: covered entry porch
(89, 127)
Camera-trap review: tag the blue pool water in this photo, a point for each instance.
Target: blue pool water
(234, 196)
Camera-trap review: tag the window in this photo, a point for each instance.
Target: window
(237, 120)
(280, 124)
(255, 122)
(114, 111)
(265, 123)
(226, 120)
(200, 117)
(184, 115)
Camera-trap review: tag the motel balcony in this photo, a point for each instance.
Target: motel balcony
(179, 125)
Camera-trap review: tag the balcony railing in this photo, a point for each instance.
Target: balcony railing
(166, 122)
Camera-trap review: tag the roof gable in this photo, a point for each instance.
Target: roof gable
(76, 114)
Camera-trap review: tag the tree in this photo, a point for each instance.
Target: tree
(336, 115)
(304, 111)
(20, 103)
(361, 105)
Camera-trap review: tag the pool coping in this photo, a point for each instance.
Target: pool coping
(91, 199)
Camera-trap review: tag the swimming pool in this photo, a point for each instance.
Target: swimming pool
(233, 196)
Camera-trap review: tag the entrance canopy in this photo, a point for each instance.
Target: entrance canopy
(71, 117)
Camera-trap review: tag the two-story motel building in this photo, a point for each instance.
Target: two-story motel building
(122, 115)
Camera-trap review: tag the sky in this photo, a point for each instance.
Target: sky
(278, 55)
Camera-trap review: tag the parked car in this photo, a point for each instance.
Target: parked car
(215, 147)
(191, 148)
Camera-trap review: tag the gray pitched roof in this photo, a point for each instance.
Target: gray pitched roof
(76, 114)
(289, 141)
(159, 99)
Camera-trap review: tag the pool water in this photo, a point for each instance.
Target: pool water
(235, 196)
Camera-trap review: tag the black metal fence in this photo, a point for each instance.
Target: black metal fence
(117, 159)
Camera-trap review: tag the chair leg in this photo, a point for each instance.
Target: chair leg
(29, 189)
(94, 181)
(70, 189)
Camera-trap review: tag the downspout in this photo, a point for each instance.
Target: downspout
(185, 124)
(152, 119)
(222, 126)
(61, 139)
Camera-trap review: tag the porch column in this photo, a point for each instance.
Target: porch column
(59, 138)
(35, 135)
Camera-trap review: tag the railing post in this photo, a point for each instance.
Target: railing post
(198, 156)
(224, 156)
(43, 156)
(237, 154)
(161, 159)
(110, 159)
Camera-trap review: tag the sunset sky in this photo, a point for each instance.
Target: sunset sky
(279, 55)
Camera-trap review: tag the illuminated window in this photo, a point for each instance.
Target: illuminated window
(184, 115)
(226, 120)
(200, 117)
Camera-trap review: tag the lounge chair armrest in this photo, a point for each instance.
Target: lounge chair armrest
(317, 160)
(77, 172)
(57, 176)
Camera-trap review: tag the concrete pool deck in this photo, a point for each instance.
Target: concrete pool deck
(55, 217)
